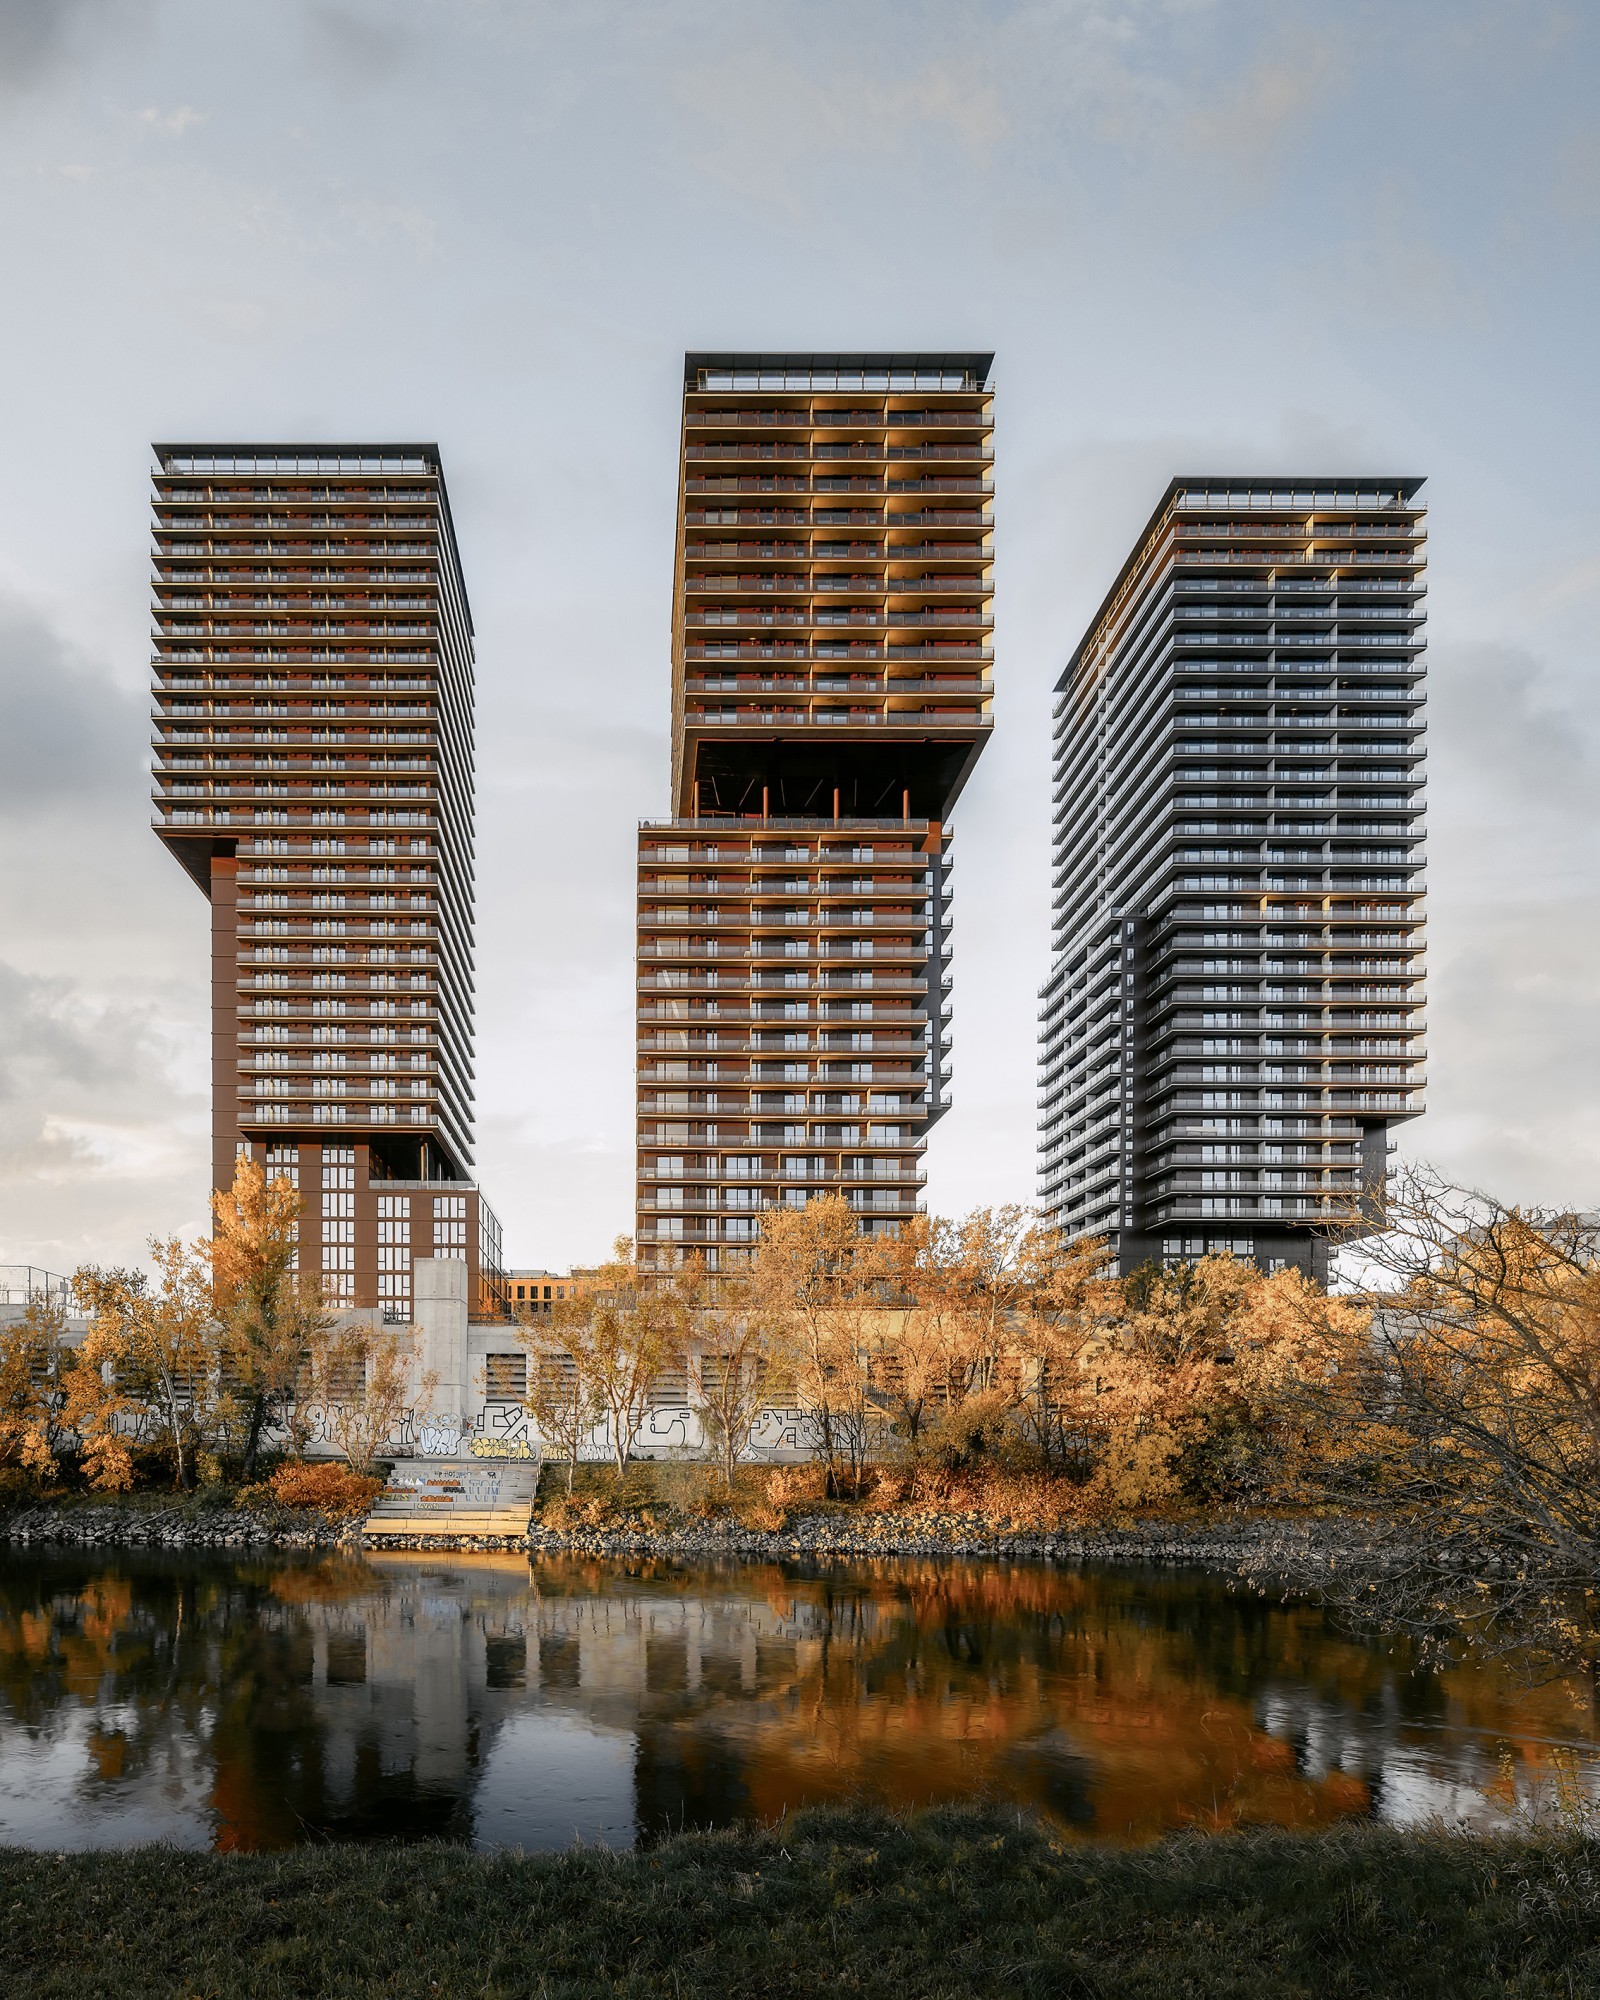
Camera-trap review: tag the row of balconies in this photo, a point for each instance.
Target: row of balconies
(178, 737)
(804, 417)
(306, 901)
(304, 1112)
(848, 615)
(1325, 559)
(889, 880)
(286, 536)
(827, 1010)
(814, 551)
(822, 718)
(778, 947)
(371, 690)
(795, 649)
(1412, 531)
(853, 484)
(362, 1067)
(838, 517)
(952, 451)
(737, 983)
(821, 1108)
(836, 684)
(792, 584)
(875, 1200)
(705, 1045)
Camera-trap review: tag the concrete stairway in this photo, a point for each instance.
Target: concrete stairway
(456, 1496)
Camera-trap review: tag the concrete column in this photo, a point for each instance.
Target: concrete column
(439, 1294)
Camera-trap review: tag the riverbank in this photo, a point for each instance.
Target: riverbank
(212, 1521)
(948, 1903)
(209, 1519)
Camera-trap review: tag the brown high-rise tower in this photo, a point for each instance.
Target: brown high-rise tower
(830, 697)
(314, 774)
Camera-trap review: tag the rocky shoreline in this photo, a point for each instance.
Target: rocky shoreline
(1258, 1544)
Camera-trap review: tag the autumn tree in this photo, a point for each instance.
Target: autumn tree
(147, 1367)
(34, 1359)
(1183, 1381)
(739, 1362)
(821, 1286)
(362, 1376)
(621, 1331)
(919, 1353)
(562, 1399)
(1466, 1430)
(268, 1316)
(1056, 1320)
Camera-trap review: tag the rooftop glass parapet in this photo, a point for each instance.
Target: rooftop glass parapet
(803, 373)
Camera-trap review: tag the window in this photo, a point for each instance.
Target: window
(394, 1255)
(505, 1377)
(449, 1225)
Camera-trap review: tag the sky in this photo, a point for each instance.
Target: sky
(1240, 236)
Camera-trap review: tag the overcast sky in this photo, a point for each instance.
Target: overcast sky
(1199, 234)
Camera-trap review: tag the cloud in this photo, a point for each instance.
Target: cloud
(762, 103)
(1513, 1060)
(83, 1083)
(65, 730)
(103, 1106)
(1273, 102)
(38, 38)
(352, 47)
(1502, 730)
(173, 124)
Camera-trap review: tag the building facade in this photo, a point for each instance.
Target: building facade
(1233, 1017)
(830, 695)
(538, 1291)
(313, 773)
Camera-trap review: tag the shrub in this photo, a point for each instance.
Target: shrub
(794, 1485)
(566, 1516)
(335, 1489)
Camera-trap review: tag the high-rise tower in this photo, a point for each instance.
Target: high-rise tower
(830, 696)
(314, 774)
(1233, 1019)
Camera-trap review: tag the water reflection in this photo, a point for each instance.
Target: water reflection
(251, 1704)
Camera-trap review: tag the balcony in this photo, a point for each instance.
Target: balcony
(848, 653)
(860, 685)
(894, 718)
(805, 418)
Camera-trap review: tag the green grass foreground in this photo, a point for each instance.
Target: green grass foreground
(951, 1902)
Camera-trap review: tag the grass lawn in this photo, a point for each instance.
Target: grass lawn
(948, 1903)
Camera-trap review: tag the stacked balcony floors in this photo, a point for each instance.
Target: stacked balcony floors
(313, 772)
(792, 1034)
(831, 694)
(1234, 1017)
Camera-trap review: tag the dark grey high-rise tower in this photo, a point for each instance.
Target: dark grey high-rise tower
(1233, 1017)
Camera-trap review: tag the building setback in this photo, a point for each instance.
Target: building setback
(1233, 1018)
(830, 696)
(314, 774)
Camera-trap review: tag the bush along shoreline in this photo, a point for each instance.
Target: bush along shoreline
(950, 1902)
(223, 1519)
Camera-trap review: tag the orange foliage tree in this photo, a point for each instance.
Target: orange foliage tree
(34, 1359)
(147, 1369)
(821, 1286)
(268, 1316)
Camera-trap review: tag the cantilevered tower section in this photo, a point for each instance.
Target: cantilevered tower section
(830, 696)
(313, 668)
(1233, 1020)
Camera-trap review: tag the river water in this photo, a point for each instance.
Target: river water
(259, 1702)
